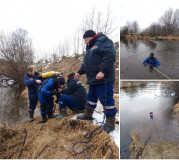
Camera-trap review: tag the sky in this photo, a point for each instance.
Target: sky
(48, 21)
(145, 12)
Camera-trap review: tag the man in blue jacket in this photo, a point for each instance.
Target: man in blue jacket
(49, 87)
(98, 65)
(31, 80)
(74, 96)
(152, 61)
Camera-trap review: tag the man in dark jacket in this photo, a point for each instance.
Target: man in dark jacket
(74, 96)
(49, 87)
(98, 65)
(31, 80)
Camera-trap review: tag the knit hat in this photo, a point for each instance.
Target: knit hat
(89, 33)
(71, 75)
(61, 80)
(152, 55)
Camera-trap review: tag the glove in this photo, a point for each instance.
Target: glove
(53, 93)
(145, 64)
(56, 101)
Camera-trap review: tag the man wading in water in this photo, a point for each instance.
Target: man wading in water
(152, 61)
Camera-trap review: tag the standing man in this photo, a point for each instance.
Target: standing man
(74, 96)
(98, 65)
(31, 80)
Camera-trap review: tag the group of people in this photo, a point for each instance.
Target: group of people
(98, 65)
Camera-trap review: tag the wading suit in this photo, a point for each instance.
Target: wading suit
(100, 57)
(152, 61)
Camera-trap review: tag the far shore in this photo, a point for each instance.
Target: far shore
(138, 37)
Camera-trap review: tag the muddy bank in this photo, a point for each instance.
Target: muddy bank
(54, 140)
(165, 150)
(131, 84)
(175, 110)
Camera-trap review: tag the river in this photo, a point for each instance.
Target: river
(136, 104)
(13, 108)
(133, 53)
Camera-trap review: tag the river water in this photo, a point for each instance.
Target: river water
(133, 53)
(13, 108)
(135, 106)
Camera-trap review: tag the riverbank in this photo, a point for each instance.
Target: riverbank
(54, 140)
(138, 36)
(131, 84)
(164, 150)
(175, 111)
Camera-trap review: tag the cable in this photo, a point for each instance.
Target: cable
(162, 73)
(88, 136)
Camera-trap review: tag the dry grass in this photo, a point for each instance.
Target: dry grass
(54, 140)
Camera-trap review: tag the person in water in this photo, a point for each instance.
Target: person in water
(152, 61)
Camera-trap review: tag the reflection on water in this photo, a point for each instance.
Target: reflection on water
(136, 104)
(133, 53)
(13, 108)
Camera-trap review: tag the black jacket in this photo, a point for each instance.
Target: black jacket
(100, 56)
(76, 91)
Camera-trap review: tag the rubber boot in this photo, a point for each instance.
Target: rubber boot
(51, 115)
(109, 126)
(87, 115)
(63, 113)
(77, 110)
(44, 119)
(31, 116)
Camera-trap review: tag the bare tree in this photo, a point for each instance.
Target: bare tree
(17, 53)
(170, 20)
(154, 29)
(96, 21)
(124, 31)
(135, 27)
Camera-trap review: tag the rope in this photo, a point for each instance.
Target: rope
(88, 136)
(166, 122)
(151, 116)
(162, 73)
(157, 74)
(157, 131)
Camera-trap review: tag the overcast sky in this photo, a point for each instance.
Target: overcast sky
(48, 21)
(145, 12)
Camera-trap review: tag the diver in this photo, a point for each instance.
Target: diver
(152, 61)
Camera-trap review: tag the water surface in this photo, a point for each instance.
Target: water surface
(136, 104)
(133, 53)
(13, 108)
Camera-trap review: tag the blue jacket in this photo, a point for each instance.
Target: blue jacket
(154, 62)
(30, 81)
(47, 87)
(100, 56)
